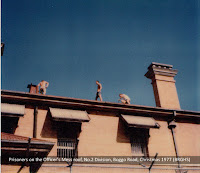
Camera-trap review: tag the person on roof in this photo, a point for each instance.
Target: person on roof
(43, 85)
(99, 88)
(124, 99)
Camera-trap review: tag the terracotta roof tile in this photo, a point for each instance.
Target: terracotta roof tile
(12, 137)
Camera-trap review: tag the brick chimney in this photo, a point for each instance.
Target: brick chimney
(162, 76)
(33, 89)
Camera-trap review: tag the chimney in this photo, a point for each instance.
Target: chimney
(33, 89)
(162, 76)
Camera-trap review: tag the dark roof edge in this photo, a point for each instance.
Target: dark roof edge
(110, 105)
(26, 142)
(12, 138)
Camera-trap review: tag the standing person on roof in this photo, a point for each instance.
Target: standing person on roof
(43, 85)
(99, 88)
(124, 99)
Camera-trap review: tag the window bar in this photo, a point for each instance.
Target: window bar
(67, 150)
(62, 147)
(73, 148)
(58, 149)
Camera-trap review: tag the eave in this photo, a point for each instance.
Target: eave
(15, 146)
(92, 105)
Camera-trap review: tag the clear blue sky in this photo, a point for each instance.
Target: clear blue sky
(73, 43)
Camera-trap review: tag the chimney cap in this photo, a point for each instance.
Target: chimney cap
(156, 64)
(160, 69)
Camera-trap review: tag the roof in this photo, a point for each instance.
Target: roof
(16, 138)
(23, 147)
(69, 115)
(92, 105)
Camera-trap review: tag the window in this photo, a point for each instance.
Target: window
(67, 134)
(9, 124)
(139, 141)
(10, 114)
(67, 148)
(138, 129)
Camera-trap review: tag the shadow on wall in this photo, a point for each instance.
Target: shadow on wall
(60, 129)
(122, 134)
(9, 124)
(48, 130)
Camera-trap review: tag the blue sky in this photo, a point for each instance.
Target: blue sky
(73, 43)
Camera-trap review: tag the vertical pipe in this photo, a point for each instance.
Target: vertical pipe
(175, 146)
(35, 122)
(172, 126)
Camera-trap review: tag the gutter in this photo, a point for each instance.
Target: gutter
(25, 142)
(83, 104)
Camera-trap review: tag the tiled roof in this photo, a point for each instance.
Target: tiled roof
(12, 137)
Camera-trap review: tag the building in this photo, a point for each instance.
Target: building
(37, 126)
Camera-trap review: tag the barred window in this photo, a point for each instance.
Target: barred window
(66, 148)
(139, 141)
